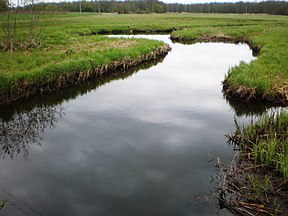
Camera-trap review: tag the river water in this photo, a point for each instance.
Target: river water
(132, 147)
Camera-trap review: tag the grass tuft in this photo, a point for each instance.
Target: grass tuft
(265, 141)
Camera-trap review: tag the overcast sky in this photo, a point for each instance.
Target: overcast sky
(199, 1)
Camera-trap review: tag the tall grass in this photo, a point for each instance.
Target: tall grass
(265, 141)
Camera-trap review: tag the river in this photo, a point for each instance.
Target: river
(143, 145)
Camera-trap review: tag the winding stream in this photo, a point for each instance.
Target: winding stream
(135, 146)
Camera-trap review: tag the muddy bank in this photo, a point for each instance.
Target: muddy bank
(256, 182)
(130, 31)
(26, 90)
(249, 189)
(245, 94)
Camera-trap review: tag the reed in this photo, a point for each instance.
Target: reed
(264, 141)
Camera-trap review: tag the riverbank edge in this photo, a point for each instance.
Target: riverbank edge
(237, 91)
(246, 188)
(26, 90)
(225, 39)
(256, 181)
(246, 94)
(236, 191)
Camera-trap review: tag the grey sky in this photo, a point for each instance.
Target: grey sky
(198, 1)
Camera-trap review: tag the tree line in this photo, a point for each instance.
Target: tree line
(156, 6)
(267, 7)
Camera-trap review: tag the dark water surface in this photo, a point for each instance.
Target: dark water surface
(133, 147)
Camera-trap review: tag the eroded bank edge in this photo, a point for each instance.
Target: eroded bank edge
(26, 90)
(239, 92)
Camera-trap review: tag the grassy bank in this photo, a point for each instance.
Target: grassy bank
(265, 141)
(264, 79)
(46, 69)
(69, 41)
(68, 93)
(71, 34)
(258, 180)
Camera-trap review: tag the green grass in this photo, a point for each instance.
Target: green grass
(43, 66)
(265, 141)
(74, 33)
(262, 171)
(268, 74)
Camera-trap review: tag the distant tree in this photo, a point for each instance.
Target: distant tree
(156, 6)
(4, 6)
(159, 8)
(21, 26)
(26, 129)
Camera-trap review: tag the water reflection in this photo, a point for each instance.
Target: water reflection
(138, 146)
(54, 98)
(22, 124)
(255, 50)
(26, 129)
(249, 108)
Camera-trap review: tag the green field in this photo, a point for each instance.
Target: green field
(69, 40)
(264, 79)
